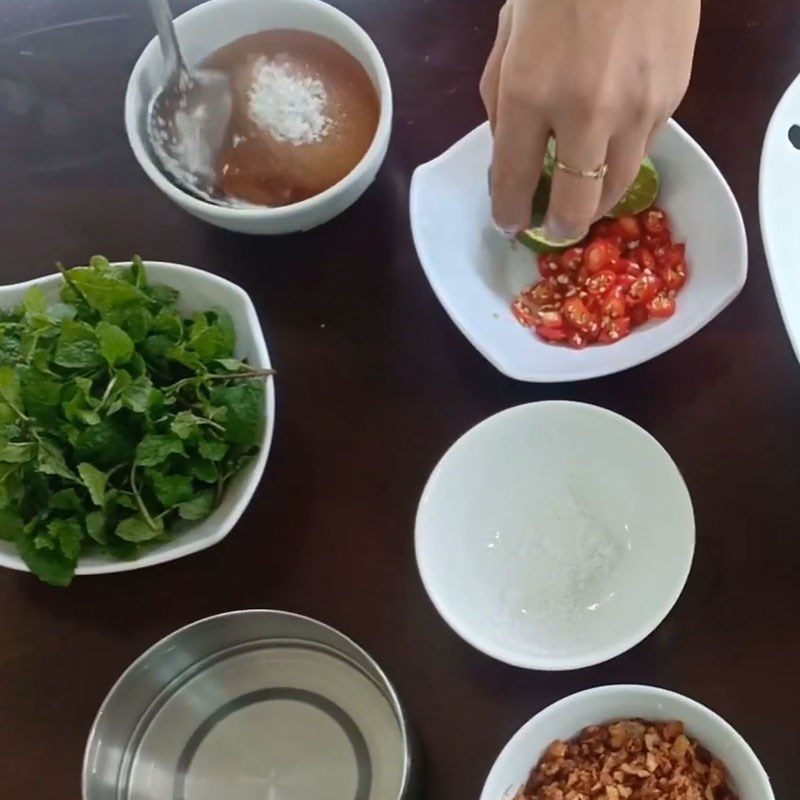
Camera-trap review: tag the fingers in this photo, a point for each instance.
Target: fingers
(490, 80)
(519, 146)
(574, 200)
(651, 139)
(625, 153)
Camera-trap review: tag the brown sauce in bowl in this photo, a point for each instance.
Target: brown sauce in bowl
(304, 114)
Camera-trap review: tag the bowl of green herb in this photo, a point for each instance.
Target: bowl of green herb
(136, 415)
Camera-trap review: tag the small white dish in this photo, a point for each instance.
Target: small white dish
(779, 179)
(554, 535)
(209, 26)
(566, 718)
(476, 273)
(199, 290)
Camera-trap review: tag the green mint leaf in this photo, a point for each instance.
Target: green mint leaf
(51, 460)
(94, 480)
(138, 274)
(12, 485)
(41, 396)
(212, 449)
(96, 526)
(232, 364)
(100, 264)
(139, 395)
(49, 564)
(188, 358)
(10, 525)
(107, 444)
(60, 312)
(44, 541)
(244, 404)
(186, 424)
(223, 321)
(103, 290)
(77, 347)
(203, 470)
(172, 489)
(135, 321)
(115, 345)
(10, 347)
(9, 387)
(162, 295)
(68, 533)
(123, 499)
(10, 430)
(80, 407)
(66, 500)
(168, 322)
(198, 507)
(156, 448)
(212, 340)
(17, 452)
(136, 529)
(35, 303)
(155, 347)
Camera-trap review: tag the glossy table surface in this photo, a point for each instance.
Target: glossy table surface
(375, 383)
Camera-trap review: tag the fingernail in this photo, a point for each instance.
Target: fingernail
(509, 233)
(555, 231)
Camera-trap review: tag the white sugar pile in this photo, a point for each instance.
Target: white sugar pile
(562, 567)
(290, 106)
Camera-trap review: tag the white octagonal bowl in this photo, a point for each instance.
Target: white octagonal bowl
(209, 26)
(199, 291)
(554, 535)
(566, 718)
(476, 273)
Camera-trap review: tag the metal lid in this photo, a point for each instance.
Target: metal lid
(271, 719)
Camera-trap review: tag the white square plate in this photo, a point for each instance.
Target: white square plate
(778, 191)
(475, 273)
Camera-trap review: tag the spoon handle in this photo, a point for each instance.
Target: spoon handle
(162, 17)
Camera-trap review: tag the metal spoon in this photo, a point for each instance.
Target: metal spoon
(188, 118)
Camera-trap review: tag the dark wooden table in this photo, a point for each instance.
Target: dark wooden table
(376, 382)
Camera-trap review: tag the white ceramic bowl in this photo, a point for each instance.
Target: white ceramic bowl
(209, 26)
(778, 208)
(476, 273)
(199, 290)
(566, 718)
(554, 535)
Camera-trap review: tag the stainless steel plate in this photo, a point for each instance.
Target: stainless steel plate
(250, 706)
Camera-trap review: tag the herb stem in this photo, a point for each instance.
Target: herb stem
(72, 285)
(142, 507)
(107, 392)
(253, 373)
(17, 411)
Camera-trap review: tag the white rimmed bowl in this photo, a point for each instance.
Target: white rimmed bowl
(209, 26)
(199, 291)
(476, 273)
(779, 178)
(554, 535)
(566, 718)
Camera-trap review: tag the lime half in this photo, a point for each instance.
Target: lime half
(534, 237)
(641, 193)
(539, 243)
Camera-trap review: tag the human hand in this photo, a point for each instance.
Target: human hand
(602, 77)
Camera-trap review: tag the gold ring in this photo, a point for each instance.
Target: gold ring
(595, 174)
